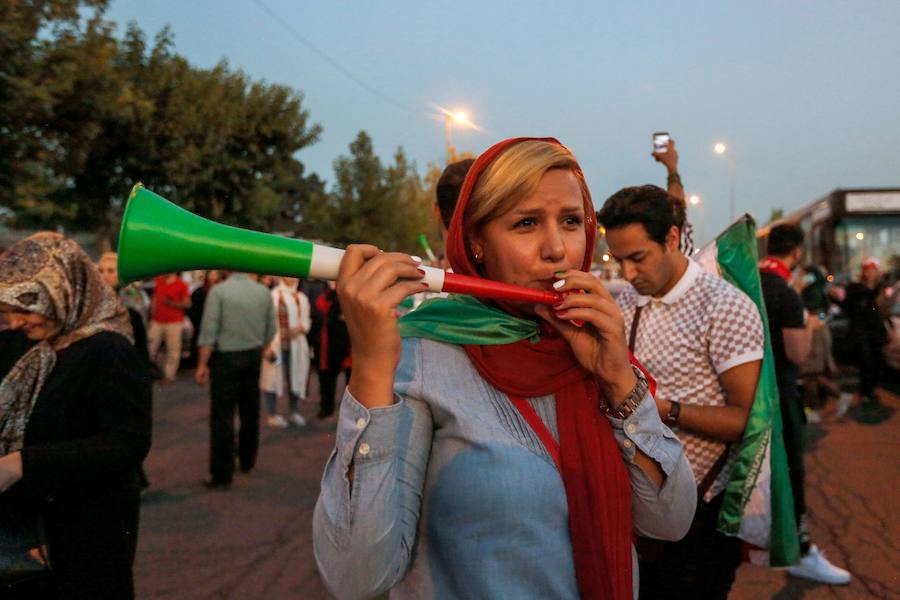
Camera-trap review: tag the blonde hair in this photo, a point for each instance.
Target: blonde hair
(109, 255)
(514, 175)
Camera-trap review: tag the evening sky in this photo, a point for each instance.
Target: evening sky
(806, 93)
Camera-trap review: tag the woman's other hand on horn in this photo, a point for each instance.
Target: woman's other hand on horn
(599, 344)
(370, 286)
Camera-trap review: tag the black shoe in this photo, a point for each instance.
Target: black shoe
(324, 416)
(216, 485)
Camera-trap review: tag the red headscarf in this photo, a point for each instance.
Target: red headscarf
(598, 489)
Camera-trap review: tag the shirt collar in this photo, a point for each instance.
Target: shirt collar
(684, 284)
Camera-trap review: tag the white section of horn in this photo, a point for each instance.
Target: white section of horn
(434, 278)
(326, 261)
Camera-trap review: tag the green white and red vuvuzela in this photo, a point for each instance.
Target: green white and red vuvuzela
(159, 237)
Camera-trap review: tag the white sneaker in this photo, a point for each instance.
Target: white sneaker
(812, 416)
(297, 419)
(816, 567)
(276, 421)
(843, 404)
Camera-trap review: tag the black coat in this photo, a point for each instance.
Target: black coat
(87, 435)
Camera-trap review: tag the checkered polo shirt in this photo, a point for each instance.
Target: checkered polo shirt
(701, 328)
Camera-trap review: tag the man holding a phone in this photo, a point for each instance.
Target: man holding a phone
(664, 152)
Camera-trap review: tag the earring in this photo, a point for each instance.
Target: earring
(477, 256)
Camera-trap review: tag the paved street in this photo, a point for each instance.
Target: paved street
(254, 540)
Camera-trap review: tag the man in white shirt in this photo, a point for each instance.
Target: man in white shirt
(702, 339)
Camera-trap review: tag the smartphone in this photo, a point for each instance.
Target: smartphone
(661, 141)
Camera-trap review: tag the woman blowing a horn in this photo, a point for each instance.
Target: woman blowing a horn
(498, 450)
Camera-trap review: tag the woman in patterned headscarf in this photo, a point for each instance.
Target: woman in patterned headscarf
(74, 414)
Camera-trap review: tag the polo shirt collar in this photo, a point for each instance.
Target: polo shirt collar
(684, 284)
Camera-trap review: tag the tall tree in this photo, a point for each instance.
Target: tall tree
(26, 96)
(371, 203)
(108, 112)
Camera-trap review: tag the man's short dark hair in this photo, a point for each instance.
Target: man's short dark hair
(651, 206)
(448, 187)
(784, 239)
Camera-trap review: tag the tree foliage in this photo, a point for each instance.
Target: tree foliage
(371, 203)
(776, 215)
(86, 115)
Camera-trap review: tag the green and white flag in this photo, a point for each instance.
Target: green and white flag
(758, 506)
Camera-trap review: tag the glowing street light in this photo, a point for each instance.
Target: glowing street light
(722, 150)
(694, 199)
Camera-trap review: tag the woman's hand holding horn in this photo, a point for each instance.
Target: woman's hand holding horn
(599, 345)
(370, 286)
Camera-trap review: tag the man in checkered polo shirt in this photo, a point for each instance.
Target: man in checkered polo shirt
(702, 339)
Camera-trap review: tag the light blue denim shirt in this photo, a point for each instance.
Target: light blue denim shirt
(454, 496)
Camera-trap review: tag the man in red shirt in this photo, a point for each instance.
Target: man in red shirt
(171, 298)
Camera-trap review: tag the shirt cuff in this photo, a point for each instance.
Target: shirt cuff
(738, 360)
(366, 435)
(644, 430)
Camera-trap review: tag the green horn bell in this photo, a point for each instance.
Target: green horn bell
(159, 237)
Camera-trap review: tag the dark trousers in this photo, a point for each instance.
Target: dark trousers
(793, 423)
(701, 565)
(234, 382)
(327, 388)
(870, 357)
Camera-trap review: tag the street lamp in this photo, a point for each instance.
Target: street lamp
(450, 119)
(722, 150)
(694, 200)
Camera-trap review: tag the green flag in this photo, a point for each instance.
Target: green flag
(758, 505)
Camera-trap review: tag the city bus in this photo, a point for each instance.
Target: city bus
(847, 226)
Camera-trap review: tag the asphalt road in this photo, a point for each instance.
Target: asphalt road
(254, 541)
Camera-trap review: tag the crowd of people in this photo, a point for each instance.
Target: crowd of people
(484, 449)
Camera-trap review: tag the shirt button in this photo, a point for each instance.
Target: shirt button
(630, 428)
(628, 443)
(364, 448)
(360, 423)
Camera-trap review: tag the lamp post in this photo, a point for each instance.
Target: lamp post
(451, 119)
(723, 150)
(694, 200)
